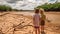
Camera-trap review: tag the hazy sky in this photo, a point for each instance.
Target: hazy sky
(25, 4)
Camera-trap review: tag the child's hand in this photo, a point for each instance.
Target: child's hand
(49, 20)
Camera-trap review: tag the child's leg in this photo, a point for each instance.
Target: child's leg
(35, 30)
(38, 30)
(42, 28)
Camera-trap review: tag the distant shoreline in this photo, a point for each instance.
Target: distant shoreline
(27, 11)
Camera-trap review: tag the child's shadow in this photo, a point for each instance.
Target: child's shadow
(43, 33)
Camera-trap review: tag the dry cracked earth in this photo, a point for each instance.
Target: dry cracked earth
(21, 23)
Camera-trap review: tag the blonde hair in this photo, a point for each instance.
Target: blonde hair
(41, 11)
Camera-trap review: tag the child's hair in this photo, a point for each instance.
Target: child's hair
(41, 11)
(36, 10)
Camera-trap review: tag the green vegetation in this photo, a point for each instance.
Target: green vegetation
(5, 8)
(50, 7)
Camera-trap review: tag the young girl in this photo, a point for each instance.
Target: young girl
(36, 21)
(43, 18)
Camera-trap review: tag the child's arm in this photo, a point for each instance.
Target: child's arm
(33, 19)
(46, 18)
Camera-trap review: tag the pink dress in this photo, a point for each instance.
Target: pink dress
(36, 20)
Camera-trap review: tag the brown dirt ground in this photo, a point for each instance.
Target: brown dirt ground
(19, 20)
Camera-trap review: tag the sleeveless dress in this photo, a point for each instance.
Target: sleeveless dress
(36, 20)
(43, 17)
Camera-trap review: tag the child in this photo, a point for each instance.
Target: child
(36, 21)
(43, 17)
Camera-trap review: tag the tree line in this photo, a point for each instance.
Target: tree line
(50, 7)
(5, 8)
